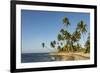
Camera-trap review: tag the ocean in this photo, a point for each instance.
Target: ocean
(36, 57)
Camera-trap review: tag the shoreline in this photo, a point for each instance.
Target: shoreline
(70, 56)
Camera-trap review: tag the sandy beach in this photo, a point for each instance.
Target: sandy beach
(70, 56)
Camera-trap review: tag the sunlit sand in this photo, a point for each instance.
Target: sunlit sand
(64, 56)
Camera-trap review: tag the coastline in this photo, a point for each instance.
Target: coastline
(64, 56)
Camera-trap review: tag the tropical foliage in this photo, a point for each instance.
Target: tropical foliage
(69, 42)
(87, 45)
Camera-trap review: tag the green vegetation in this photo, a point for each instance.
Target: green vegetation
(67, 45)
(87, 45)
(69, 42)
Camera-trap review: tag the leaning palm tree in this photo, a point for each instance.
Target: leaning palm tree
(67, 37)
(81, 27)
(69, 42)
(76, 36)
(65, 34)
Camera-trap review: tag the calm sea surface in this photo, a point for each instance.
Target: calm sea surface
(36, 57)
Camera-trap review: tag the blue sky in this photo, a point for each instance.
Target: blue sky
(43, 26)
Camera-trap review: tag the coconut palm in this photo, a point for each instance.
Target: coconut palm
(66, 21)
(66, 35)
(76, 36)
(81, 27)
(72, 38)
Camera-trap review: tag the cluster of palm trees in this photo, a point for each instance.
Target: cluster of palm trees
(69, 42)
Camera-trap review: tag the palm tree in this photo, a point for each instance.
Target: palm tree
(72, 38)
(76, 36)
(66, 21)
(81, 27)
(64, 34)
